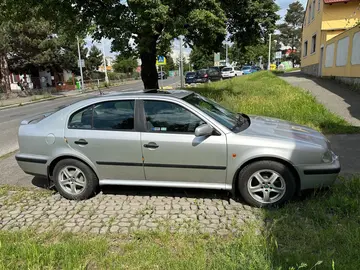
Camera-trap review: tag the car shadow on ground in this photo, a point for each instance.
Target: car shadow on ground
(348, 93)
(191, 193)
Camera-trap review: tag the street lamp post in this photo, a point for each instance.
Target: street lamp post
(269, 58)
(181, 64)
(104, 60)
(80, 65)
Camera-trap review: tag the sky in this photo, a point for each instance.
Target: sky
(283, 4)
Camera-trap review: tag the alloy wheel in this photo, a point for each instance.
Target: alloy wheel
(266, 186)
(72, 180)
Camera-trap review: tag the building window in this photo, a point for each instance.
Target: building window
(309, 14)
(329, 55)
(355, 54)
(305, 48)
(319, 5)
(342, 52)
(313, 44)
(313, 10)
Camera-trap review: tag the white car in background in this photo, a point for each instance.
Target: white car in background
(231, 72)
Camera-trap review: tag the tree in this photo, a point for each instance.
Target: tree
(125, 64)
(201, 58)
(141, 27)
(94, 59)
(290, 30)
(250, 21)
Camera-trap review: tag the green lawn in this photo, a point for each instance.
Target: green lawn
(263, 93)
(321, 228)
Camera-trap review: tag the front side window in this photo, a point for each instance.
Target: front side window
(109, 115)
(214, 110)
(167, 117)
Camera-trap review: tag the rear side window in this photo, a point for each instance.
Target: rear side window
(110, 115)
(227, 69)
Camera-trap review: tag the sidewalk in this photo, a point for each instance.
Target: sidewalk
(339, 99)
(336, 97)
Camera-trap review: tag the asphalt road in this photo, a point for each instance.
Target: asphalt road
(9, 123)
(10, 118)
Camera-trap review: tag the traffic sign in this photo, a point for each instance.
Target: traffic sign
(161, 61)
(278, 55)
(82, 63)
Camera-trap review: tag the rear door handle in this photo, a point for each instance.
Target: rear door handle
(81, 142)
(151, 145)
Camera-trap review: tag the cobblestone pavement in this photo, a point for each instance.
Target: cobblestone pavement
(120, 213)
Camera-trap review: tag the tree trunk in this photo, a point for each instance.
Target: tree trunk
(4, 75)
(149, 74)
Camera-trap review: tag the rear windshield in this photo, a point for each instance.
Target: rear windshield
(190, 74)
(227, 69)
(201, 71)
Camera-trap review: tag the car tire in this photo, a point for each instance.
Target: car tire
(81, 186)
(266, 183)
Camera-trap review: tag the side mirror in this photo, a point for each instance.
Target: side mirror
(203, 130)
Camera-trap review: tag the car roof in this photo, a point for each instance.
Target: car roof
(177, 93)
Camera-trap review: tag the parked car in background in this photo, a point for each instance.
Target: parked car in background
(208, 75)
(190, 77)
(256, 68)
(162, 75)
(247, 70)
(173, 139)
(231, 72)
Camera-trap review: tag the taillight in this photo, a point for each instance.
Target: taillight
(205, 76)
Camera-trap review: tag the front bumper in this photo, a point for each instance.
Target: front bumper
(317, 176)
(33, 164)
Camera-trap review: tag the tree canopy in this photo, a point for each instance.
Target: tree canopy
(146, 28)
(290, 30)
(125, 64)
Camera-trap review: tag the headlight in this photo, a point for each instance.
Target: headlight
(328, 157)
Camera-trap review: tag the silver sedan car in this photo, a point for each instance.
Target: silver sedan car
(173, 139)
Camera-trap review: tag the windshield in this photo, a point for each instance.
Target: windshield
(246, 68)
(225, 117)
(227, 69)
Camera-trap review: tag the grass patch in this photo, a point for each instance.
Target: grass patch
(318, 231)
(263, 93)
(16, 194)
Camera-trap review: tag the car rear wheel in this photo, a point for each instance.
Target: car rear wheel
(74, 180)
(266, 183)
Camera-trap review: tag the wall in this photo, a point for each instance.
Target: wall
(309, 63)
(340, 15)
(342, 55)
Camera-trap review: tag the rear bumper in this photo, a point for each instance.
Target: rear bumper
(33, 164)
(226, 76)
(316, 176)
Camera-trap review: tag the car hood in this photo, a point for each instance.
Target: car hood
(274, 128)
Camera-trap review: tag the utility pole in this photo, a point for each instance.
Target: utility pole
(269, 59)
(104, 60)
(226, 53)
(181, 64)
(80, 65)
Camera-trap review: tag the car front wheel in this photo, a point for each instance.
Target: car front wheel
(266, 183)
(74, 180)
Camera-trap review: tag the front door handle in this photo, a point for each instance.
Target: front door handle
(151, 145)
(81, 142)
